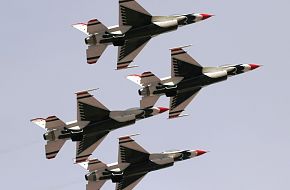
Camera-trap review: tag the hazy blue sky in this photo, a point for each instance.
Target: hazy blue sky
(244, 121)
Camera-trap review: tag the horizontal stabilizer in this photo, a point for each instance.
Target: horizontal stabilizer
(149, 78)
(49, 123)
(94, 53)
(95, 185)
(93, 164)
(148, 101)
(54, 122)
(95, 26)
(52, 148)
(144, 79)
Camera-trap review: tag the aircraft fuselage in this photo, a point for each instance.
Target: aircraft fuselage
(116, 120)
(159, 25)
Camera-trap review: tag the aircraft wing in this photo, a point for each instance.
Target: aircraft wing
(133, 14)
(89, 109)
(130, 49)
(130, 182)
(183, 65)
(95, 185)
(180, 101)
(87, 145)
(130, 151)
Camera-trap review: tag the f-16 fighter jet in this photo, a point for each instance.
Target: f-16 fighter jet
(94, 122)
(134, 163)
(188, 77)
(136, 27)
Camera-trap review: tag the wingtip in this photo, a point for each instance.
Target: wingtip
(178, 116)
(86, 91)
(128, 136)
(126, 67)
(180, 47)
(80, 23)
(36, 119)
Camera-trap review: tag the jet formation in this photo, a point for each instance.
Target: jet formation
(136, 27)
(187, 78)
(94, 122)
(134, 162)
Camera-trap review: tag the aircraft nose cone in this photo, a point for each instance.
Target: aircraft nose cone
(200, 152)
(162, 109)
(206, 16)
(254, 66)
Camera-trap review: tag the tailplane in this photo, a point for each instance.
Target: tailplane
(93, 164)
(95, 26)
(53, 147)
(94, 52)
(95, 49)
(53, 126)
(92, 27)
(145, 79)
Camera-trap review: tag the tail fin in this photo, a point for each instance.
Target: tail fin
(39, 121)
(144, 79)
(81, 27)
(93, 164)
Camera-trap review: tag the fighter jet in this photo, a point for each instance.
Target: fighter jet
(93, 124)
(134, 162)
(188, 77)
(136, 27)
